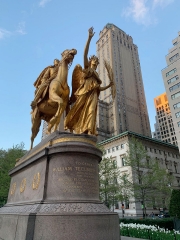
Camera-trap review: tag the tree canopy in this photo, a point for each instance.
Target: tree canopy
(7, 162)
(113, 186)
(108, 183)
(149, 181)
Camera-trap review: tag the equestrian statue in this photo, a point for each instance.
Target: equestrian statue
(51, 94)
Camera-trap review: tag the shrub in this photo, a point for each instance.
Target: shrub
(174, 207)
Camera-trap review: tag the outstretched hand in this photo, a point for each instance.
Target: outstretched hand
(111, 83)
(91, 33)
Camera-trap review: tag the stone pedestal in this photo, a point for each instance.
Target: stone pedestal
(54, 193)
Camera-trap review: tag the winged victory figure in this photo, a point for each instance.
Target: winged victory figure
(86, 87)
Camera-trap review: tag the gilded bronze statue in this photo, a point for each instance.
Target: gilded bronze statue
(51, 95)
(43, 81)
(86, 87)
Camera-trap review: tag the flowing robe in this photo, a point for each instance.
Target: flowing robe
(82, 116)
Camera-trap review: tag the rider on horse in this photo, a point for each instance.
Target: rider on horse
(43, 81)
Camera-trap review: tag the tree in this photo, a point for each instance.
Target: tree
(174, 206)
(108, 181)
(148, 180)
(7, 161)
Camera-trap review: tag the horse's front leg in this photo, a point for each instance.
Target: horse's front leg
(36, 122)
(54, 121)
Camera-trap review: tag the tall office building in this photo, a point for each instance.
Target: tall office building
(164, 124)
(156, 134)
(129, 110)
(172, 83)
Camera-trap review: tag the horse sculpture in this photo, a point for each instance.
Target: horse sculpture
(55, 98)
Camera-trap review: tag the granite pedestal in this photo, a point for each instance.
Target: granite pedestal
(54, 193)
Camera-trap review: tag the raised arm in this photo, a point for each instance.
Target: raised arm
(91, 34)
(108, 86)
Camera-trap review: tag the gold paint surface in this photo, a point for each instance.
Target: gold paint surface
(86, 87)
(72, 139)
(23, 185)
(36, 181)
(13, 188)
(51, 94)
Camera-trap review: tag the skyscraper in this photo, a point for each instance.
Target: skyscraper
(172, 83)
(164, 123)
(129, 110)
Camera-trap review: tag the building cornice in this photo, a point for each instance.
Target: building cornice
(137, 135)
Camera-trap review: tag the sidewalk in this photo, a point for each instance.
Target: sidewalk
(130, 238)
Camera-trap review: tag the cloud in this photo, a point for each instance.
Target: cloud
(142, 11)
(21, 28)
(139, 12)
(20, 31)
(4, 33)
(42, 3)
(162, 3)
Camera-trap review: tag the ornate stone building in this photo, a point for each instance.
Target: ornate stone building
(166, 154)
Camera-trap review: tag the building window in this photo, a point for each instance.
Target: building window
(176, 95)
(109, 150)
(117, 147)
(113, 149)
(123, 161)
(178, 123)
(147, 161)
(174, 57)
(175, 167)
(174, 87)
(177, 114)
(171, 72)
(126, 204)
(115, 163)
(122, 146)
(177, 105)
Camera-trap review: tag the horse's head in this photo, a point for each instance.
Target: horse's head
(68, 55)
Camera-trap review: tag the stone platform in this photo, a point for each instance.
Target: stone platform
(54, 193)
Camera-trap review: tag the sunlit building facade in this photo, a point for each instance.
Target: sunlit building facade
(164, 125)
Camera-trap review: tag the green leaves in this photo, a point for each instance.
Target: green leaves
(108, 174)
(149, 180)
(7, 162)
(174, 207)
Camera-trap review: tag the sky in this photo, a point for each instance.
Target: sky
(34, 33)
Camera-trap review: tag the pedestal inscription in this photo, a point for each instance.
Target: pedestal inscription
(73, 178)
